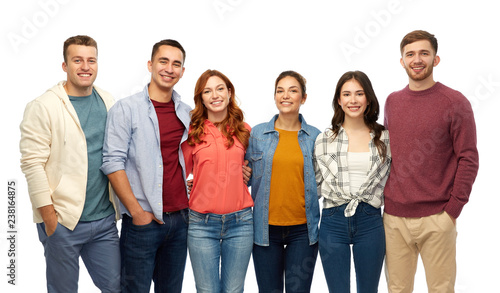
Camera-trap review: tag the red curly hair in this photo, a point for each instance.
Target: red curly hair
(232, 125)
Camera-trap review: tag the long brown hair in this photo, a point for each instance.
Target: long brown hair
(232, 125)
(371, 111)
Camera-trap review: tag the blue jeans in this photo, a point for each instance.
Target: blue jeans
(220, 239)
(288, 254)
(96, 242)
(365, 232)
(154, 252)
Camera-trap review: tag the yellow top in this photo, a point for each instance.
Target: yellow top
(286, 200)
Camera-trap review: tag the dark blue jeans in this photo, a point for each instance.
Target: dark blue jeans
(154, 252)
(365, 232)
(288, 254)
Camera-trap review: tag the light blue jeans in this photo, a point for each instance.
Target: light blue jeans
(219, 248)
(96, 242)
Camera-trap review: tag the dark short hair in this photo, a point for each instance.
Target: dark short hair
(419, 35)
(168, 42)
(78, 40)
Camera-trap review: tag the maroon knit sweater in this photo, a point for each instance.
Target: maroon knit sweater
(434, 155)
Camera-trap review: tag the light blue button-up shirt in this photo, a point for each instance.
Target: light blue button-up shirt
(132, 143)
(260, 153)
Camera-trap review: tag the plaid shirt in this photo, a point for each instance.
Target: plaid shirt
(332, 172)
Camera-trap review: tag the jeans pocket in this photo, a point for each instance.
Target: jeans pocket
(141, 227)
(53, 235)
(195, 218)
(329, 212)
(55, 231)
(370, 210)
(247, 217)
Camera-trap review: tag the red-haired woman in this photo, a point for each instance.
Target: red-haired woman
(220, 233)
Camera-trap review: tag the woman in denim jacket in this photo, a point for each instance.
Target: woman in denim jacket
(286, 211)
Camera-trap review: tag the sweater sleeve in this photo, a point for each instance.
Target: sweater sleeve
(35, 151)
(463, 133)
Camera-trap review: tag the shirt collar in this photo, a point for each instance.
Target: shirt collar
(342, 132)
(175, 96)
(303, 125)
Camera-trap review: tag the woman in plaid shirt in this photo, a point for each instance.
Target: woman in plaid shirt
(352, 162)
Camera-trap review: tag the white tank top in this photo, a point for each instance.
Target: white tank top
(359, 165)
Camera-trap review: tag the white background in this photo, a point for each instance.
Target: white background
(252, 42)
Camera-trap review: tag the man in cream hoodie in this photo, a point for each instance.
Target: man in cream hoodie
(62, 134)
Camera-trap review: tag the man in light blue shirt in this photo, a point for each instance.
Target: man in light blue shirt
(144, 163)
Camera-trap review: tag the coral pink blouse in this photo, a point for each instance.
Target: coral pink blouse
(218, 185)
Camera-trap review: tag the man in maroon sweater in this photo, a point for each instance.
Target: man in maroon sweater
(434, 164)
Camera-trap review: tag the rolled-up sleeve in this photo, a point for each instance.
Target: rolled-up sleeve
(117, 139)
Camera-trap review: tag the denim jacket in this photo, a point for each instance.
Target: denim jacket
(263, 142)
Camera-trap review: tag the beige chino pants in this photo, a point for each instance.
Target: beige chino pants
(434, 238)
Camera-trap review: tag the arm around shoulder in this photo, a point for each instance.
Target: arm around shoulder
(317, 155)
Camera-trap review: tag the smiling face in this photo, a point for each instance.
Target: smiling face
(353, 100)
(418, 60)
(81, 69)
(288, 96)
(216, 97)
(166, 68)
